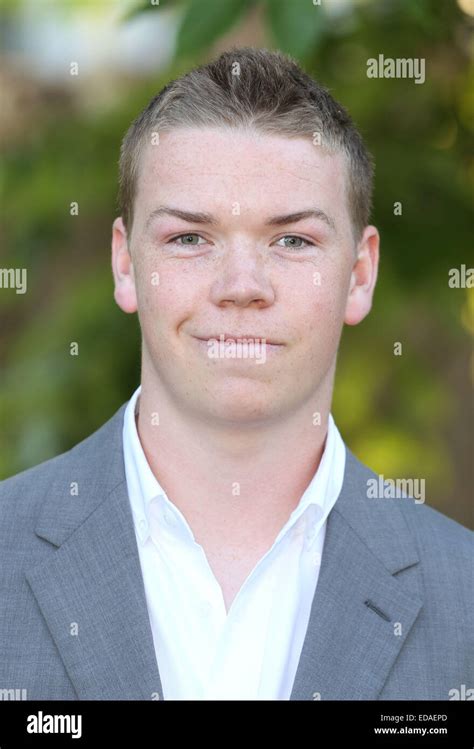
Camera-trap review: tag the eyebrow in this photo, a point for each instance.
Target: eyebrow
(207, 218)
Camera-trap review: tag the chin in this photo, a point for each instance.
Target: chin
(243, 403)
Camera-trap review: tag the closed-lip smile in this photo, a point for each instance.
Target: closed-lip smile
(239, 337)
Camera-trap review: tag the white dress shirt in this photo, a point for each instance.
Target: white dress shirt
(251, 652)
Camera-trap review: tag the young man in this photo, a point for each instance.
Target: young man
(216, 539)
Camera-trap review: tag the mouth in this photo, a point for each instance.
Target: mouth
(239, 338)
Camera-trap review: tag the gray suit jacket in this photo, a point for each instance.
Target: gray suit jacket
(391, 617)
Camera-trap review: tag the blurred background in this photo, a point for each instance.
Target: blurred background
(408, 416)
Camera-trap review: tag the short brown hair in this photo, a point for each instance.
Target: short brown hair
(259, 88)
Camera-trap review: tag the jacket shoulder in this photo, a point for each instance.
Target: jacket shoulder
(428, 525)
(445, 547)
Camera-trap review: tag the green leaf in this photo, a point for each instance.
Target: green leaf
(296, 25)
(205, 21)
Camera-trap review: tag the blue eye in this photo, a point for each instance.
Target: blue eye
(295, 242)
(293, 246)
(186, 236)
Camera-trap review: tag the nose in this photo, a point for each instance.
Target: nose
(242, 280)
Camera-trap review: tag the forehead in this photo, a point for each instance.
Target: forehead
(230, 164)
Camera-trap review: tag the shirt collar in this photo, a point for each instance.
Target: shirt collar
(143, 486)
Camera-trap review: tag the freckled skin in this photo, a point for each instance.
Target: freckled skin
(240, 279)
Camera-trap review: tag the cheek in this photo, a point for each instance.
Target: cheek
(166, 296)
(320, 310)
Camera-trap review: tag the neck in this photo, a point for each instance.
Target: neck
(235, 480)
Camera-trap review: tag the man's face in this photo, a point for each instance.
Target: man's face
(288, 282)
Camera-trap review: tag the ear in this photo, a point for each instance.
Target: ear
(122, 268)
(363, 277)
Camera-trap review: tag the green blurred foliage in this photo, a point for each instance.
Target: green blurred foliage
(406, 415)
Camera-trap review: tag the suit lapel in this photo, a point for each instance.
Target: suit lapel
(91, 591)
(364, 605)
